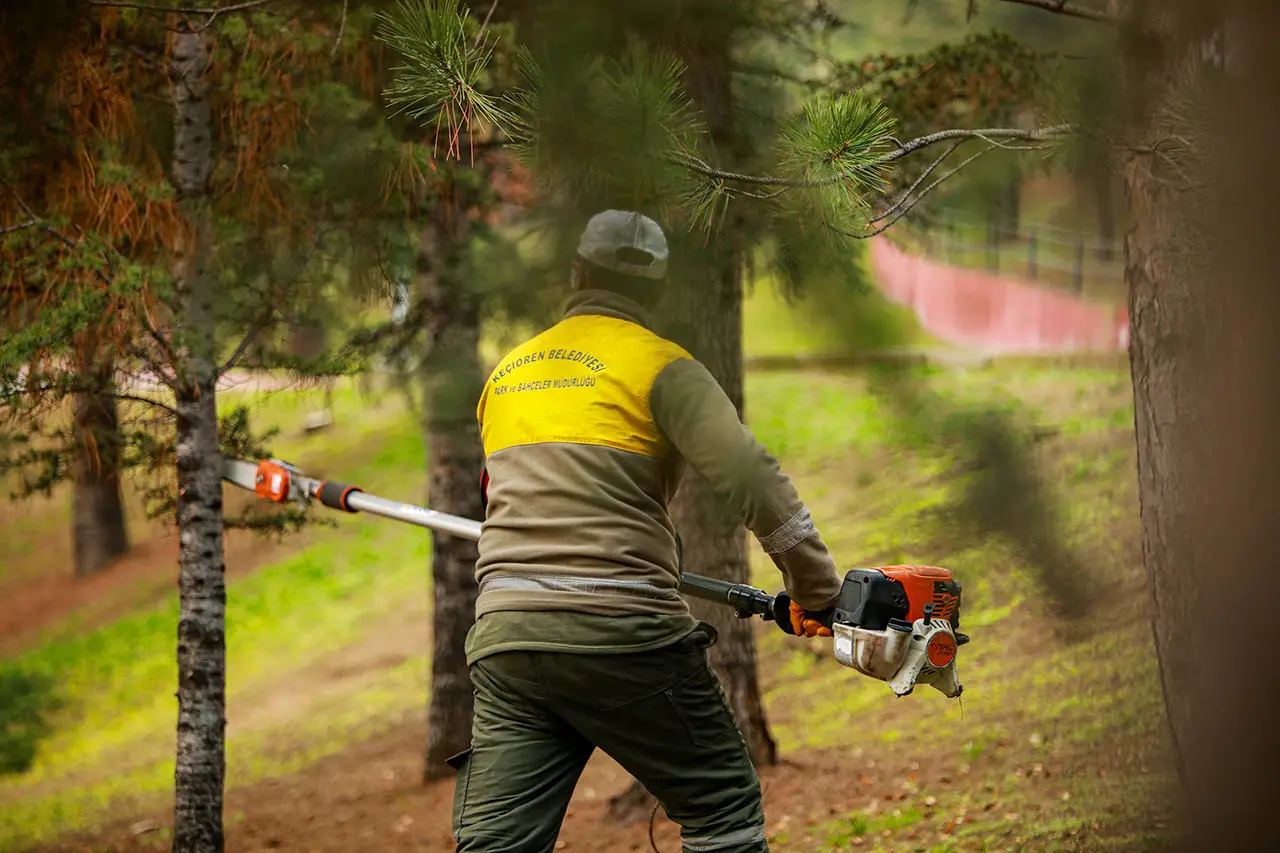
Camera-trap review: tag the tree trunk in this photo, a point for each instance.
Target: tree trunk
(1167, 333)
(200, 764)
(1205, 370)
(714, 540)
(98, 523)
(451, 386)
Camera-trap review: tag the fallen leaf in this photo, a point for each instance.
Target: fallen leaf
(949, 828)
(1011, 817)
(142, 827)
(930, 802)
(560, 845)
(857, 841)
(915, 765)
(1037, 769)
(1066, 795)
(1036, 739)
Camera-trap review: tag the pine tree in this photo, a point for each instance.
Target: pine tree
(170, 268)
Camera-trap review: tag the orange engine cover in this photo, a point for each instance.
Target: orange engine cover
(870, 597)
(926, 585)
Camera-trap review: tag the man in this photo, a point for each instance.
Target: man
(582, 639)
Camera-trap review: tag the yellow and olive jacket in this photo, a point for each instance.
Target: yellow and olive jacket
(587, 429)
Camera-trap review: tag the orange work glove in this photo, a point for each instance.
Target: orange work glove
(803, 626)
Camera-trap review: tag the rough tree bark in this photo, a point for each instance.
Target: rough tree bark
(98, 524)
(200, 764)
(1205, 370)
(451, 385)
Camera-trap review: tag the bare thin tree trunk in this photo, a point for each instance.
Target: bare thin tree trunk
(451, 386)
(200, 763)
(98, 523)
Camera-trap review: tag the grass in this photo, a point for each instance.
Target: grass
(828, 318)
(115, 682)
(879, 492)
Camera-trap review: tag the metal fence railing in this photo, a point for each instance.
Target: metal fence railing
(1073, 261)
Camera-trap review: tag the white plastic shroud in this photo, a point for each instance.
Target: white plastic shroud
(924, 655)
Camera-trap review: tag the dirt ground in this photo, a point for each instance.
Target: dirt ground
(370, 798)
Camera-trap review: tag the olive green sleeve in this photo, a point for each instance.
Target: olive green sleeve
(702, 425)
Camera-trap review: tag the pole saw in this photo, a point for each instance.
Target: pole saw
(898, 624)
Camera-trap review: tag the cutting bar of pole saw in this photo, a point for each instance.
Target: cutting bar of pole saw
(280, 482)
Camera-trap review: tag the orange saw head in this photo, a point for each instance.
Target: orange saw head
(900, 624)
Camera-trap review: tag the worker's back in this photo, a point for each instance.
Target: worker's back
(579, 474)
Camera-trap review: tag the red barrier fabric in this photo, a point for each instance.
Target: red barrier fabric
(991, 312)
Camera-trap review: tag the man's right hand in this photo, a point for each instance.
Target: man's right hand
(794, 619)
(807, 624)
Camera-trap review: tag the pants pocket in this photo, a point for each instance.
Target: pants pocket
(700, 704)
(460, 789)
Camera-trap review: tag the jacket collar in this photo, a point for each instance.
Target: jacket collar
(609, 304)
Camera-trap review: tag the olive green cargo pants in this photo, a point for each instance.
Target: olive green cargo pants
(661, 714)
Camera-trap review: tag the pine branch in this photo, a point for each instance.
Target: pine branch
(181, 10)
(989, 135)
(9, 229)
(62, 389)
(342, 26)
(1063, 7)
(255, 329)
(902, 199)
(137, 398)
(151, 328)
(485, 23)
(926, 191)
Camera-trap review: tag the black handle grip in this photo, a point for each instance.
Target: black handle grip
(782, 614)
(334, 495)
(745, 600)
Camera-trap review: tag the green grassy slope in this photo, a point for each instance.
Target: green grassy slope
(879, 492)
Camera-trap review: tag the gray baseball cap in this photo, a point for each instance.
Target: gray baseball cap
(625, 242)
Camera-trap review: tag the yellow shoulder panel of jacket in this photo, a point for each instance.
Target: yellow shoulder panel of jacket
(586, 380)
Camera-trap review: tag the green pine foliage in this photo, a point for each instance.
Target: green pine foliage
(441, 76)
